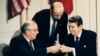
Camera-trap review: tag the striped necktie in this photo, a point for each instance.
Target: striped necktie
(31, 45)
(53, 27)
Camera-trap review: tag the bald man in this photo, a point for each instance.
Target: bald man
(45, 20)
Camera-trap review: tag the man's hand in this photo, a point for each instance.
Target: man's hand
(65, 49)
(53, 49)
(57, 43)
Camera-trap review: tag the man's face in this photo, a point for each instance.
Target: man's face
(74, 28)
(57, 15)
(32, 33)
(58, 10)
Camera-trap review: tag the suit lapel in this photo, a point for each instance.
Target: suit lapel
(82, 41)
(47, 22)
(25, 43)
(82, 36)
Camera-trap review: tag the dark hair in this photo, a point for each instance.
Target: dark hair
(76, 19)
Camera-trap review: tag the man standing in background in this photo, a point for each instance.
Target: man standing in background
(52, 22)
(48, 18)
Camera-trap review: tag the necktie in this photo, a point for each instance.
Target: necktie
(53, 27)
(77, 45)
(31, 45)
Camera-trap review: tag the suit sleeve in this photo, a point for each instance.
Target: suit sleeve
(92, 44)
(36, 17)
(89, 47)
(63, 28)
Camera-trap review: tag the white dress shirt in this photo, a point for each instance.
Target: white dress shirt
(29, 42)
(51, 23)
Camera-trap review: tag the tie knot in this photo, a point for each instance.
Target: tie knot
(54, 20)
(30, 42)
(77, 38)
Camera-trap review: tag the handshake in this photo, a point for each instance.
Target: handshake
(57, 47)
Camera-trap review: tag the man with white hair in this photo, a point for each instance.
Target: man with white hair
(26, 44)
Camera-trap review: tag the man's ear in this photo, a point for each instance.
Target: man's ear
(27, 31)
(81, 26)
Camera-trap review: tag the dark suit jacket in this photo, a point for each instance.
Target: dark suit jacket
(43, 20)
(20, 47)
(87, 43)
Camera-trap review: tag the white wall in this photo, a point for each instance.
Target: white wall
(85, 8)
(98, 25)
(7, 28)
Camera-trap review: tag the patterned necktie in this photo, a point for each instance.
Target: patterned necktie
(31, 45)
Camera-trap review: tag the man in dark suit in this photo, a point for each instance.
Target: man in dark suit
(83, 41)
(26, 43)
(45, 20)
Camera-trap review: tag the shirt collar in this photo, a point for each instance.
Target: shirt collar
(26, 39)
(79, 35)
